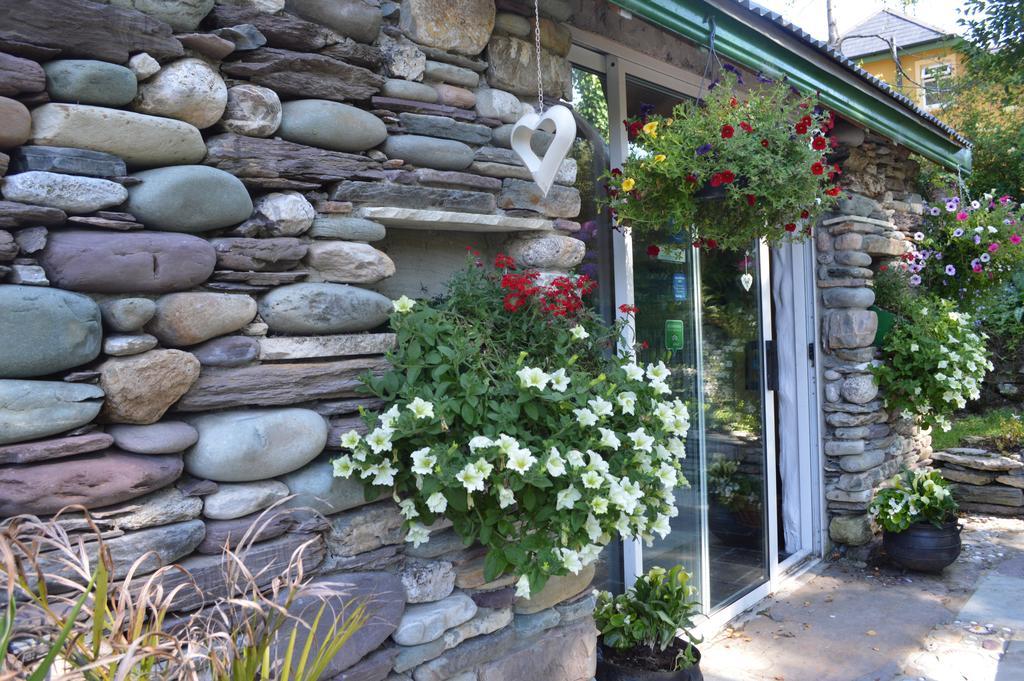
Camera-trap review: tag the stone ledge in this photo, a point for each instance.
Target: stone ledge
(306, 347)
(443, 220)
(857, 218)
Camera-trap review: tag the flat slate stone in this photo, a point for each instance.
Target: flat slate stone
(56, 448)
(315, 486)
(434, 220)
(122, 345)
(188, 199)
(92, 480)
(421, 198)
(277, 384)
(46, 330)
(310, 347)
(165, 505)
(352, 18)
(328, 226)
(323, 308)
(259, 255)
(274, 159)
(144, 262)
(165, 437)
(252, 528)
(70, 193)
(34, 409)
(66, 160)
(141, 140)
(330, 125)
(229, 351)
(984, 461)
(279, 29)
(449, 73)
(87, 81)
(442, 126)
(19, 75)
(234, 500)
(254, 444)
(407, 89)
(557, 590)
(300, 74)
(560, 202)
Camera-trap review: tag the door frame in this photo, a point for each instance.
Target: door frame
(615, 61)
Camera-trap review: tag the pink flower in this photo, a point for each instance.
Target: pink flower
(962, 215)
(993, 247)
(1005, 199)
(976, 267)
(1015, 239)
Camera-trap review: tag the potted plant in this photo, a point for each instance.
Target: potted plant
(935, 362)
(892, 291)
(918, 518)
(729, 169)
(512, 416)
(646, 632)
(735, 511)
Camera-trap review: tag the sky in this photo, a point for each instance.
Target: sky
(810, 14)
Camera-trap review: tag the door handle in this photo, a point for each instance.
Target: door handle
(771, 358)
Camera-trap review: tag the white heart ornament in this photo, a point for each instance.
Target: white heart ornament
(558, 120)
(747, 279)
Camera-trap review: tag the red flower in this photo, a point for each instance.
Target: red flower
(833, 142)
(751, 199)
(747, 127)
(819, 143)
(728, 130)
(733, 102)
(764, 143)
(691, 178)
(514, 301)
(801, 129)
(728, 177)
(790, 227)
(833, 191)
(628, 309)
(883, 268)
(644, 345)
(653, 250)
(711, 244)
(716, 180)
(817, 168)
(806, 120)
(805, 214)
(504, 262)
(616, 171)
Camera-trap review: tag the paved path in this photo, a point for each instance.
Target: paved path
(841, 622)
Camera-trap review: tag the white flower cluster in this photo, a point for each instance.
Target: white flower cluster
(613, 465)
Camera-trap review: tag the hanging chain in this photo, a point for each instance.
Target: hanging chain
(536, 39)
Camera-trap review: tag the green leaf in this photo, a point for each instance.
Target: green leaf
(494, 565)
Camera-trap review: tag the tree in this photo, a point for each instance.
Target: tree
(589, 100)
(995, 32)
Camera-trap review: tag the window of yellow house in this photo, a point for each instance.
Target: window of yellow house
(935, 80)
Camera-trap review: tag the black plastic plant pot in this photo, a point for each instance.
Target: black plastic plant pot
(616, 665)
(741, 530)
(709, 193)
(924, 547)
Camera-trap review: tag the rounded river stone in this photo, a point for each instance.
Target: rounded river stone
(165, 437)
(323, 308)
(188, 199)
(189, 318)
(92, 480)
(254, 444)
(46, 330)
(127, 314)
(189, 90)
(429, 152)
(252, 110)
(139, 262)
(87, 81)
(15, 123)
(34, 409)
(234, 500)
(330, 125)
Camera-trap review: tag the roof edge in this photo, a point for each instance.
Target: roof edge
(855, 93)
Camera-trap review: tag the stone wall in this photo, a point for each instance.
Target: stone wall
(863, 444)
(207, 208)
(984, 479)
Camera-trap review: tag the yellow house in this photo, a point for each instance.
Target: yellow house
(928, 56)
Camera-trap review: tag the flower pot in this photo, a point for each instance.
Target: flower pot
(709, 193)
(886, 320)
(741, 529)
(924, 547)
(623, 665)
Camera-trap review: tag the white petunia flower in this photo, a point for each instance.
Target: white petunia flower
(567, 498)
(523, 588)
(608, 439)
(571, 561)
(585, 417)
(597, 462)
(641, 440)
(532, 377)
(555, 465)
(421, 409)
(343, 467)
(521, 460)
(660, 387)
(599, 505)
(423, 461)
(404, 304)
(677, 447)
(417, 534)
(384, 474)
(668, 476)
(505, 497)
(483, 467)
(559, 381)
(479, 442)
(627, 402)
(633, 372)
(471, 478)
(578, 332)
(379, 440)
(350, 440)
(591, 479)
(658, 372)
(575, 458)
(437, 502)
(600, 406)
(506, 444)
(388, 418)
(407, 507)
(589, 553)
(661, 526)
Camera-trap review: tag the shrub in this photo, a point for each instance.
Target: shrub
(512, 417)
(765, 149)
(650, 615)
(914, 497)
(935, 362)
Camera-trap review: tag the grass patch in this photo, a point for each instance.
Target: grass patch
(1005, 425)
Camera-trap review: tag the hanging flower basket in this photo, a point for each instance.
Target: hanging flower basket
(728, 169)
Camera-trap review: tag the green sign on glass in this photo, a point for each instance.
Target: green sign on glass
(674, 334)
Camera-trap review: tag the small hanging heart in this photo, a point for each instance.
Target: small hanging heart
(747, 279)
(558, 120)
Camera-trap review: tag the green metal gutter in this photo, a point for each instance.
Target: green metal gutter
(748, 46)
